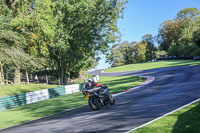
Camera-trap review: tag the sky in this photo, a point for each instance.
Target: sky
(145, 16)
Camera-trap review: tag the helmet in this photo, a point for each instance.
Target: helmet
(90, 80)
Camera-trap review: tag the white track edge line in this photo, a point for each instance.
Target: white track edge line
(164, 115)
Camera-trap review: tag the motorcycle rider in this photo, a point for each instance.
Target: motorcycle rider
(91, 84)
(103, 89)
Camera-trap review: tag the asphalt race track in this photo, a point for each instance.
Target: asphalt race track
(172, 88)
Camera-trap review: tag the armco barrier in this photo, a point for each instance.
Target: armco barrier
(36, 96)
(30, 97)
(54, 92)
(69, 89)
(12, 101)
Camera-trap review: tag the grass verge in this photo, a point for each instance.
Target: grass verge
(7, 90)
(186, 120)
(152, 65)
(37, 110)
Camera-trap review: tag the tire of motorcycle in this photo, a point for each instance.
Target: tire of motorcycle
(112, 100)
(94, 103)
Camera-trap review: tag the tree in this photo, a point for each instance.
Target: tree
(88, 26)
(169, 31)
(188, 13)
(161, 53)
(115, 57)
(126, 53)
(196, 37)
(128, 50)
(140, 52)
(177, 36)
(69, 32)
(150, 48)
(12, 48)
(8, 40)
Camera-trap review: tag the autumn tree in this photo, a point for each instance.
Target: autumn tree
(177, 36)
(115, 57)
(140, 52)
(14, 42)
(150, 53)
(126, 53)
(70, 33)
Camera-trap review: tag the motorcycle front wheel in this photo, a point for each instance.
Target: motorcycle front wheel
(112, 100)
(94, 103)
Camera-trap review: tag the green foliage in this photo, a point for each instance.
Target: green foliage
(140, 52)
(150, 53)
(180, 36)
(188, 13)
(37, 24)
(4, 10)
(128, 53)
(86, 27)
(122, 53)
(13, 46)
(70, 34)
(161, 53)
(196, 36)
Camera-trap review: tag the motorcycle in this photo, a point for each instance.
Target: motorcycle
(98, 97)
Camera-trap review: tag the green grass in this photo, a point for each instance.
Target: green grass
(121, 83)
(186, 120)
(37, 110)
(152, 65)
(7, 90)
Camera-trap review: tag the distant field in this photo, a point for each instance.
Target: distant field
(7, 90)
(152, 65)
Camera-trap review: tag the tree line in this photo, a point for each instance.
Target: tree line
(179, 37)
(65, 36)
(134, 52)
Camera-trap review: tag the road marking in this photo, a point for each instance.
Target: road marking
(163, 115)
